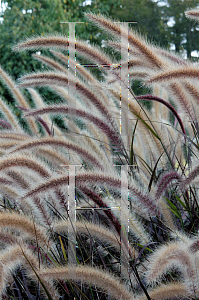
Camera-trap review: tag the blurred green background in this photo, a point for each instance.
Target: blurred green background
(162, 22)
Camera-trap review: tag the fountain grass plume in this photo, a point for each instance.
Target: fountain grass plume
(8, 238)
(10, 135)
(61, 42)
(179, 92)
(5, 124)
(138, 74)
(93, 276)
(50, 62)
(44, 212)
(5, 181)
(192, 90)
(54, 157)
(167, 215)
(89, 177)
(57, 142)
(21, 255)
(36, 181)
(170, 255)
(192, 14)
(165, 180)
(6, 144)
(173, 58)
(117, 30)
(112, 135)
(179, 73)
(9, 116)
(79, 69)
(18, 96)
(101, 232)
(19, 179)
(26, 225)
(10, 259)
(174, 290)
(23, 161)
(45, 121)
(187, 181)
(61, 79)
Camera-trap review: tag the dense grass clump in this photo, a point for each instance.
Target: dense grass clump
(103, 204)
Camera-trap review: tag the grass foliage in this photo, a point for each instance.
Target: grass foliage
(103, 204)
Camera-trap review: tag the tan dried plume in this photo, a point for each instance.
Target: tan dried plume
(17, 255)
(174, 290)
(24, 161)
(26, 225)
(173, 254)
(50, 62)
(17, 95)
(61, 42)
(101, 232)
(192, 14)
(63, 109)
(179, 73)
(57, 142)
(9, 115)
(19, 179)
(90, 275)
(134, 39)
(79, 68)
(40, 103)
(61, 79)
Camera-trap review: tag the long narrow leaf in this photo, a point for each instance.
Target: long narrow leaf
(41, 282)
(132, 152)
(153, 174)
(147, 125)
